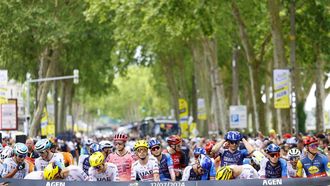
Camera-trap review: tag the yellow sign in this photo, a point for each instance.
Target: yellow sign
(183, 108)
(281, 79)
(193, 130)
(183, 114)
(44, 122)
(3, 98)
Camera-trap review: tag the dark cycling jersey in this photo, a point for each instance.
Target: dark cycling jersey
(190, 174)
(86, 165)
(236, 158)
(318, 167)
(165, 164)
(269, 171)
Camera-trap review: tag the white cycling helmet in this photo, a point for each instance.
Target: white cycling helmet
(89, 142)
(20, 149)
(105, 144)
(294, 152)
(292, 141)
(7, 152)
(42, 145)
(257, 157)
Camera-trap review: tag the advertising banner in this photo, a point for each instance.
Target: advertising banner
(183, 113)
(281, 80)
(3, 86)
(201, 109)
(8, 115)
(238, 116)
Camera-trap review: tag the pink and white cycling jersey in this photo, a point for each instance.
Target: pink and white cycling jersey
(110, 174)
(123, 163)
(35, 175)
(145, 172)
(9, 165)
(40, 163)
(76, 174)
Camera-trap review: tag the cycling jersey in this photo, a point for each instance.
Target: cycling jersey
(123, 163)
(190, 175)
(248, 172)
(145, 172)
(179, 163)
(235, 158)
(318, 167)
(35, 175)
(269, 171)
(40, 163)
(76, 174)
(165, 164)
(9, 165)
(110, 174)
(83, 163)
(292, 173)
(1, 169)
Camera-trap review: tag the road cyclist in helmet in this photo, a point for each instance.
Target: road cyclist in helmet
(178, 156)
(208, 167)
(232, 155)
(106, 147)
(256, 159)
(122, 158)
(273, 166)
(198, 151)
(314, 163)
(165, 162)
(57, 171)
(294, 157)
(84, 163)
(67, 156)
(146, 167)
(46, 155)
(16, 166)
(230, 172)
(101, 171)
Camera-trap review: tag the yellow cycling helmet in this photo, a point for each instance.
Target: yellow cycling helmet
(50, 171)
(141, 143)
(96, 159)
(224, 173)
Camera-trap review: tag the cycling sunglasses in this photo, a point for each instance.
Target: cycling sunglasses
(233, 142)
(314, 145)
(155, 148)
(21, 155)
(276, 155)
(99, 167)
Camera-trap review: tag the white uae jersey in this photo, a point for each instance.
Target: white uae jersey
(145, 172)
(248, 172)
(110, 174)
(292, 173)
(40, 163)
(76, 174)
(35, 175)
(9, 165)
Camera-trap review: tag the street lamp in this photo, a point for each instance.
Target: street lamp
(75, 78)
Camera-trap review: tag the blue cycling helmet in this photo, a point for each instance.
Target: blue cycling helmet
(153, 142)
(206, 163)
(273, 148)
(199, 150)
(42, 145)
(95, 148)
(233, 136)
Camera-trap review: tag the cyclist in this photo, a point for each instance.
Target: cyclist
(106, 147)
(314, 164)
(166, 171)
(193, 172)
(46, 156)
(16, 167)
(145, 168)
(256, 159)
(208, 167)
(232, 155)
(122, 158)
(294, 157)
(273, 166)
(245, 171)
(57, 171)
(198, 151)
(178, 157)
(100, 171)
(84, 163)
(67, 157)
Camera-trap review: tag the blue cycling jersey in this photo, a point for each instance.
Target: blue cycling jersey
(278, 171)
(235, 158)
(165, 164)
(86, 165)
(208, 173)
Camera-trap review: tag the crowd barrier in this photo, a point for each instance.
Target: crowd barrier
(324, 181)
